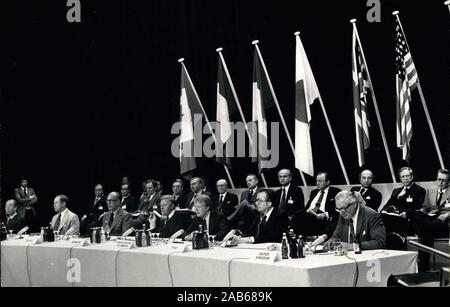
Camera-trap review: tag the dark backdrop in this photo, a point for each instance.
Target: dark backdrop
(94, 101)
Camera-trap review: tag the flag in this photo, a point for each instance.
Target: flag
(226, 107)
(406, 81)
(361, 89)
(190, 105)
(306, 91)
(262, 100)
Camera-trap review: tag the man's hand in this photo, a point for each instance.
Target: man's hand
(403, 215)
(235, 240)
(188, 237)
(321, 216)
(443, 217)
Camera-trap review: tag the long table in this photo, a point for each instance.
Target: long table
(66, 264)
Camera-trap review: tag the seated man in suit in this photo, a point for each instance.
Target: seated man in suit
(320, 216)
(128, 202)
(14, 222)
(97, 206)
(143, 196)
(357, 221)
(289, 198)
(268, 225)
(178, 194)
(196, 189)
(371, 196)
(409, 197)
(171, 220)
(245, 212)
(117, 219)
(26, 202)
(65, 221)
(225, 201)
(214, 221)
(432, 220)
(150, 204)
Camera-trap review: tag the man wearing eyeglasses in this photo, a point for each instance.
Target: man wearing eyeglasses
(357, 221)
(116, 218)
(432, 220)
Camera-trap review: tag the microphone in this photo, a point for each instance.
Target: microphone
(23, 230)
(319, 240)
(128, 232)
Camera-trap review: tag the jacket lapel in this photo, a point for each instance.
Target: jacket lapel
(445, 196)
(359, 222)
(63, 220)
(116, 219)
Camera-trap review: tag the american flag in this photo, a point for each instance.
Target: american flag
(406, 81)
(361, 88)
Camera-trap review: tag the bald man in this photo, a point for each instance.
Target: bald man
(224, 201)
(116, 218)
(371, 196)
(289, 198)
(13, 221)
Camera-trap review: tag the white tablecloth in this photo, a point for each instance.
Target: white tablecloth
(48, 264)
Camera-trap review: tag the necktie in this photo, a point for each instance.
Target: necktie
(57, 222)
(439, 198)
(221, 200)
(111, 219)
(250, 195)
(403, 192)
(25, 192)
(164, 222)
(352, 232)
(362, 191)
(261, 224)
(283, 199)
(319, 201)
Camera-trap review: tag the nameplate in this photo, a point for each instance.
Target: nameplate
(177, 247)
(266, 256)
(125, 244)
(34, 240)
(80, 241)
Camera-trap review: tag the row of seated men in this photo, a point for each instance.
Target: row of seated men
(409, 210)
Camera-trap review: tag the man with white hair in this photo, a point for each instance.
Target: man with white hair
(357, 222)
(13, 221)
(225, 201)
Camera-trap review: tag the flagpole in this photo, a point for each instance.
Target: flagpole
(181, 61)
(233, 91)
(377, 112)
(255, 42)
(422, 98)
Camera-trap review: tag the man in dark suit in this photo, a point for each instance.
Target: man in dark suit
(432, 220)
(178, 195)
(13, 221)
(371, 196)
(171, 220)
(128, 202)
(268, 225)
(116, 218)
(97, 206)
(320, 216)
(289, 198)
(253, 188)
(26, 203)
(225, 201)
(358, 222)
(214, 221)
(196, 189)
(409, 197)
(150, 204)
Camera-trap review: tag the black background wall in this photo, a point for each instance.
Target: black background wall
(91, 102)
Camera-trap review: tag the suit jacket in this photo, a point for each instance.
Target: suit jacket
(188, 204)
(129, 203)
(122, 222)
(179, 220)
(369, 229)
(272, 231)
(181, 200)
(68, 225)
(246, 193)
(430, 204)
(295, 202)
(15, 224)
(217, 225)
(330, 203)
(96, 209)
(24, 202)
(148, 205)
(412, 200)
(228, 205)
(372, 197)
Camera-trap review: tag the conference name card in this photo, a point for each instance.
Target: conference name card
(266, 256)
(177, 247)
(34, 239)
(80, 241)
(125, 244)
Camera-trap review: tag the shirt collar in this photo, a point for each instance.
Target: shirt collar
(223, 195)
(268, 213)
(12, 216)
(170, 214)
(64, 212)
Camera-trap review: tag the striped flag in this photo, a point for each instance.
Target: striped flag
(306, 92)
(406, 81)
(262, 100)
(226, 107)
(190, 105)
(361, 88)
